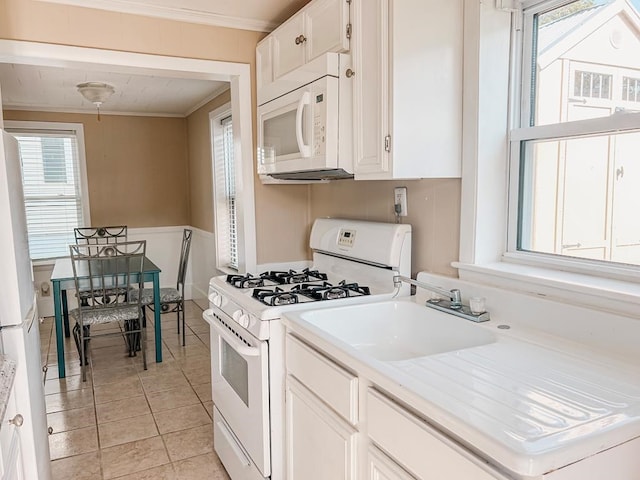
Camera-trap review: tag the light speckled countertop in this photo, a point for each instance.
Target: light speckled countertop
(7, 375)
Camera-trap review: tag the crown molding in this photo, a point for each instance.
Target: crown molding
(172, 13)
(31, 108)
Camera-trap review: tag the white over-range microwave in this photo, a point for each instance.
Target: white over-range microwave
(305, 126)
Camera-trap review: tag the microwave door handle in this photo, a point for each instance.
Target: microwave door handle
(305, 150)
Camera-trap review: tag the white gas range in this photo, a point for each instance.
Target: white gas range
(353, 262)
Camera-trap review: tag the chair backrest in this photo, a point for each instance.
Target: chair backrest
(100, 235)
(184, 257)
(109, 272)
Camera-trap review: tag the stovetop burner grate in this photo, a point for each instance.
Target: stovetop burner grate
(308, 292)
(273, 278)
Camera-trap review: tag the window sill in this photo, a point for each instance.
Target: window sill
(48, 263)
(609, 295)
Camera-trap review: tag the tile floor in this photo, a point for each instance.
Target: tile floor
(128, 423)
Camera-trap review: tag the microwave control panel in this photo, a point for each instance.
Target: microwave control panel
(319, 122)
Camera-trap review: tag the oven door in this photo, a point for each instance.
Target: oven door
(240, 385)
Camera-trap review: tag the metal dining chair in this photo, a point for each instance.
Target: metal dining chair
(100, 235)
(109, 272)
(172, 299)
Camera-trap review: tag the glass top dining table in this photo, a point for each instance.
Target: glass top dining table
(62, 280)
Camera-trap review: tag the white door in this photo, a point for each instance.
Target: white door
(320, 445)
(371, 86)
(264, 63)
(288, 46)
(584, 193)
(626, 198)
(240, 385)
(326, 27)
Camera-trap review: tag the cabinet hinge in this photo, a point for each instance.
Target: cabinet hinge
(348, 31)
(387, 143)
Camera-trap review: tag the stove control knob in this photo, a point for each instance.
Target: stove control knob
(237, 314)
(215, 298)
(243, 320)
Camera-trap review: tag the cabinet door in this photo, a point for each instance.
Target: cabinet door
(319, 444)
(371, 86)
(10, 451)
(326, 27)
(382, 467)
(288, 46)
(264, 63)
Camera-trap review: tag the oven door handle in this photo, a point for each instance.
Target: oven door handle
(232, 340)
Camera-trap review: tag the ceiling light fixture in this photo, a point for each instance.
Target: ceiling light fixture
(96, 92)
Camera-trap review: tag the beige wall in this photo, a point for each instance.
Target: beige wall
(200, 168)
(433, 212)
(137, 167)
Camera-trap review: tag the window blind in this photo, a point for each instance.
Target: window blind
(52, 192)
(230, 191)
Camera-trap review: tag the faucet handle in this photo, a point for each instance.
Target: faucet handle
(456, 300)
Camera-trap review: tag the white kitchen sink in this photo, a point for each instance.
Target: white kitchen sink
(397, 330)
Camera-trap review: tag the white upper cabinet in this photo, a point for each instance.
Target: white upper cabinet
(407, 58)
(264, 62)
(321, 26)
(289, 43)
(327, 27)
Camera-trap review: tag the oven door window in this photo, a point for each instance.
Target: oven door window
(234, 369)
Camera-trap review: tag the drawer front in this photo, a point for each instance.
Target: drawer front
(333, 384)
(418, 447)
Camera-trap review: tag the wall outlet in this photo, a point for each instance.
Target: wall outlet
(400, 201)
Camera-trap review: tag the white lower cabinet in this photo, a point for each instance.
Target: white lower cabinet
(340, 426)
(382, 467)
(11, 467)
(417, 446)
(320, 445)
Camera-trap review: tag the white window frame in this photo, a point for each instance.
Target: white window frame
(494, 52)
(245, 210)
(78, 129)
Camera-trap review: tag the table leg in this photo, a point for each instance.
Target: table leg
(156, 315)
(57, 309)
(65, 313)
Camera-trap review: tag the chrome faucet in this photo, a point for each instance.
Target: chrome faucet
(452, 304)
(452, 295)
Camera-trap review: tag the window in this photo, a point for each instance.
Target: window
(631, 89)
(225, 208)
(54, 184)
(593, 85)
(574, 164)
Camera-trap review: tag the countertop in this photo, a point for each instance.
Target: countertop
(7, 375)
(526, 406)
